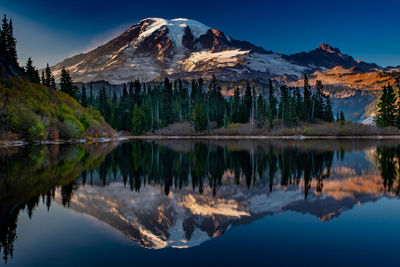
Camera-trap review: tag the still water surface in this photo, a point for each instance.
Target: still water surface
(201, 203)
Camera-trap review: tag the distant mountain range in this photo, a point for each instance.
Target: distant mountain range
(181, 48)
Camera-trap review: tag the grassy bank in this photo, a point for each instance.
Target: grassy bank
(322, 129)
(33, 112)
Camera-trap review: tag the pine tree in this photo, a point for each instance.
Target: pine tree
(91, 100)
(386, 107)
(342, 118)
(43, 79)
(84, 100)
(137, 93)
(66, 83)
(3, 37)
(200, 120)
(48, 77)
(235, 105)
(30, 70)
(11, 45)
(167, 116)
(284, 106)
(248, 100)
(272, 111)
(123, 123)
(138, 121)
(319, 104)
(260, 110)
(307, 100)
(328, 113)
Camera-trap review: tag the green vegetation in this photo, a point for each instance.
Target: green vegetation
(169, 103)
(389, 107)
(34, 112)
(33, 109)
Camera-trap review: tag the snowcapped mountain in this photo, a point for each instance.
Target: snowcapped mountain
(155, 47)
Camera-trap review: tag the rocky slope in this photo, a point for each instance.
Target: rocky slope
(156, 47)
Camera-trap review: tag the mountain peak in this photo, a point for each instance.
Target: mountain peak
(329, 49)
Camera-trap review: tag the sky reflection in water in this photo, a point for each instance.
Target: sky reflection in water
(141, 200)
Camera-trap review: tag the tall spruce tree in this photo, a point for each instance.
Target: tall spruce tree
(272, 111)
(31, 71)
(167, 116)
(307, 100)
(66, 83)
(11, 45)
(84, 100)
(200, 121)
(386, 107)
(48, 78)
(319, 103)
(248, 101)
(235, 105)
(3, 37)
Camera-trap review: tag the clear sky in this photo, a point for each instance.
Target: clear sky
(50, 31)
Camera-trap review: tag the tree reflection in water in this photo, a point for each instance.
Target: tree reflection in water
(28, 175)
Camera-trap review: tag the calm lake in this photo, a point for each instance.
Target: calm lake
(201, 203)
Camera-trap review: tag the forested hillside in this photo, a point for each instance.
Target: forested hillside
(33, 111)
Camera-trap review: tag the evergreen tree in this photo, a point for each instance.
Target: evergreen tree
(91, 100)
(386, 107)
(248, 101)
(48, 78)
(284, 111)
(328, 113)
(307, 100)
(299, 104)
(84, 100)
(137, 99)
(138, 121)
(11, 45)
(31, 71)
(123, 123)
(3, 37)
(66, 83)
(215, 102)
(235, 105)
(167, 116)
(319, 104)
(272, 111)
(260, 111)
(200, 120)
(43, 79)
(342, 118)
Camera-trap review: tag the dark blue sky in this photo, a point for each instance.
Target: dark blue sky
(50, 31)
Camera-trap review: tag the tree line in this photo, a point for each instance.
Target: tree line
(142, 108)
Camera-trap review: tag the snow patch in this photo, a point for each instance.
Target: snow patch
(274, 64)
(176, 29)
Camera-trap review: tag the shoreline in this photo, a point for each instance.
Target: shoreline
(16, 143)
(261, 137)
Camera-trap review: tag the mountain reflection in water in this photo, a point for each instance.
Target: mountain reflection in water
(182, 193)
